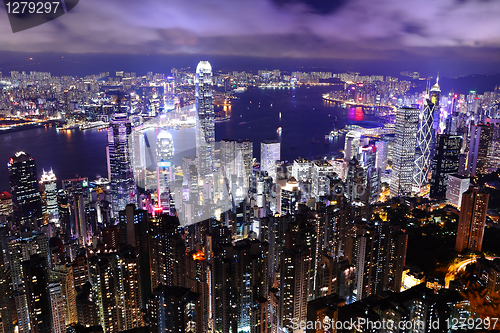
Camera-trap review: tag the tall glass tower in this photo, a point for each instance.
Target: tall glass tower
(26, 199)
(405, 140)
(206, 116)
(425, 144)
(123, 187)
(164, 167)
(426, 136)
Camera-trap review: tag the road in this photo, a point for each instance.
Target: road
(457, 267)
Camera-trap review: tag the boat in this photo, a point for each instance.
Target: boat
(279, 130)
(240, 90)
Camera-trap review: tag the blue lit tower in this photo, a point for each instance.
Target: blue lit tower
(26, 199)
(206, 116)
(123, 188)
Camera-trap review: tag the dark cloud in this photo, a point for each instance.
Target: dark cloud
(354, 29)
(414, 28)
(316, 6)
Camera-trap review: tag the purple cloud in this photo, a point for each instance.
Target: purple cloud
(279, 28)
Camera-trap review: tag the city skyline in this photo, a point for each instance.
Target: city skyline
(267, 166)
(456, 37)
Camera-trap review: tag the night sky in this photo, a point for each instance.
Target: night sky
(458, 37)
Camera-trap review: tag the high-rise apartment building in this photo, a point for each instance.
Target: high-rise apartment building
(135, 230)
(26, 199)
(380, 258)
(174, 309)
(57, 308)
(404, 151)
(240, 277)
(472, 220)
(206, 117)
(114, 278)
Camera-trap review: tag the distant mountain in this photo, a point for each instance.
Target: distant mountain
(463, 85)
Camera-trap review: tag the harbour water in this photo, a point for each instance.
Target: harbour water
(304, 117)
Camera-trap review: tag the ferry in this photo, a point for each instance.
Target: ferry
(240, 89)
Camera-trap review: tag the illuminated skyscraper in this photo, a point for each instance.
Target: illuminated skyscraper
(404, 151)
(236, 163)
(26, 199)
(456, 186)
(425, 143)
(381, 148)
(472, 220)
(64, 276)
(479, 146)
(139, 157)
(206, 116)
(322, 172)
(351, 146)
(48, 189)
(270, 152)
(444, 163)
(77, 192)
(123, 187)
(295, 278)
(164, 167)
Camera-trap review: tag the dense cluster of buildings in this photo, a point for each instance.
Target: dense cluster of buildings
(221, 243)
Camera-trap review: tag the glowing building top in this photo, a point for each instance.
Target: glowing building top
(204, 66)
(48, 177)
(436, 87)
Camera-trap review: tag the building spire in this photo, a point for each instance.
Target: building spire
(436, 87)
